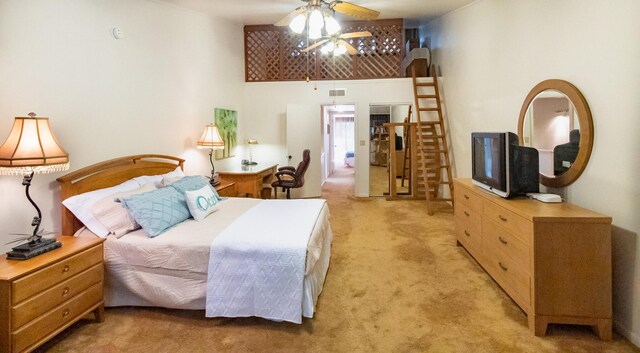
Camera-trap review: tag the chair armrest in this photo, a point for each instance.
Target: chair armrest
(293, 169)
(285, 172)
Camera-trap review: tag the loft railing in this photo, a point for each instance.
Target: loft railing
(275, 54)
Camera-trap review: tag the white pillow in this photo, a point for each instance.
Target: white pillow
(114, 216)
(80, 205)
(157, 179)
(201, 202)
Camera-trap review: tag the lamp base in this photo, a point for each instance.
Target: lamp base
(215, 181)
(33, 249)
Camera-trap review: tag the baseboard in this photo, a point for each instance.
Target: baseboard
(623, 330)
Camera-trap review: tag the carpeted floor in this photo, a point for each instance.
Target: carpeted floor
(397, 283)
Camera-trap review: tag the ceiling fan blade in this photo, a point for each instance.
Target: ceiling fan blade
(350, 48)
(354, 10)
(356, 34)
(317, 44)
(287, 19)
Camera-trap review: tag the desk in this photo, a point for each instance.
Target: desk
(249, 179)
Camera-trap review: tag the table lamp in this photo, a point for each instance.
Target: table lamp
(211, 140)
(251, 142)
(32, 148)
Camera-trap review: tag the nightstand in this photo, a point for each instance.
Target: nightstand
(42, 296)
(227, 189)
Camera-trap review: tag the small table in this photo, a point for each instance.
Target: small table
(250, 179)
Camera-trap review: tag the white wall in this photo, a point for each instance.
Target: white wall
(493, 52)
(266, 105)
(151, 92)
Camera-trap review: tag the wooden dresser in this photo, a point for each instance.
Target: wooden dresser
(42, 296)
(552, 259)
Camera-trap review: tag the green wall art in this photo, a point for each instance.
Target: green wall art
(227, 122)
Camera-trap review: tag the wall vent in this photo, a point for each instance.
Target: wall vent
(339, 92)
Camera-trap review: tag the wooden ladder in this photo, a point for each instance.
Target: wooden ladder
(431, 143)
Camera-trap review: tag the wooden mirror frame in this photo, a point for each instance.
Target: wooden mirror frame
(586, 129)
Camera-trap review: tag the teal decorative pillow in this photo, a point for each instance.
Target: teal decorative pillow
(202, 202)
(191, 183)
(158, 210)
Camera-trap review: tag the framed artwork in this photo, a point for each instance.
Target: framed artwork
(227, 122)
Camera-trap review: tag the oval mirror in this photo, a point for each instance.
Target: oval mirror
(556, 120)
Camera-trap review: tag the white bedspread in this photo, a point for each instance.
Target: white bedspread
(257, 266)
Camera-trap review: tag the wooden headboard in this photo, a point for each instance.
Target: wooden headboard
(110, 173)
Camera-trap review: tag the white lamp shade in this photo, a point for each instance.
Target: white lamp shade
(252, 141)
(298, 23)
(31, 146)
(331, 25)
(211, 138)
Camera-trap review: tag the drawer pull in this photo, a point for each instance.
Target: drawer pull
(502, 218)
(466, 196)
(502, 240)
(65, 269)
(466, 213)
(65, 313)
(467, 233)
(65, 291)
(503, 267)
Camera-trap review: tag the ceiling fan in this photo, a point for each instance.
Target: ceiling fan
(317, 14)
(337, 43)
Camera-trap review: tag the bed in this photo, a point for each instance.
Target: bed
(196, 263)
(350, 159)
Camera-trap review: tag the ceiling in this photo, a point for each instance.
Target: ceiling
(252, 12)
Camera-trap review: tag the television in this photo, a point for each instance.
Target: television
(503, 167)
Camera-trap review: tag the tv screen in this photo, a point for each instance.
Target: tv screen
(501, 166)
(489, 155)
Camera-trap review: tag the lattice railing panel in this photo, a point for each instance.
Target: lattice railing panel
(275, 54)
(297, 64)
(262, 55)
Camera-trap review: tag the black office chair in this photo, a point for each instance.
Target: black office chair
(290, 177)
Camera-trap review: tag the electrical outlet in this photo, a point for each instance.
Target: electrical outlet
(362, 142)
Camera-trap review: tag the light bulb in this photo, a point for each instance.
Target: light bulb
(328, 48)
(316, 22)
(315, 33)
(297, 24)
(331, 25)
(341, 49)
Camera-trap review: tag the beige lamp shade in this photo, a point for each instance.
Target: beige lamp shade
(252, 141)
(211, 138)
(32, 147)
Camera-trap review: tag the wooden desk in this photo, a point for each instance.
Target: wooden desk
(249, 179)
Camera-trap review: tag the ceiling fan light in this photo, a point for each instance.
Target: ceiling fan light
(315, 33)
(297, 24)
(341, 49)
(331, 25)
(326, 49)
(316, 21)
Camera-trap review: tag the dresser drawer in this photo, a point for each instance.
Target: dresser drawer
(511, 245)
(55, 273)
(470, 237)
(513, 279)
(228, 190)
(518, 226)
(54, 296)
(469, 216)
(468, 197)
(56, 318)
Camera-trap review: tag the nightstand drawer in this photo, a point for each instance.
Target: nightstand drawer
(55, 273)
(227, 189)
(50, 298)
(56, 318)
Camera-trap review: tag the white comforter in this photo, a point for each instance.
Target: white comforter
(257, 265)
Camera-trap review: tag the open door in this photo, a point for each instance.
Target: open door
(304, 131)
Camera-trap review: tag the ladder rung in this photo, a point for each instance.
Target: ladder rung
(424, 83)
(427, 96)
(428, 109)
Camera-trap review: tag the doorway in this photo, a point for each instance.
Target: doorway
(339, 142)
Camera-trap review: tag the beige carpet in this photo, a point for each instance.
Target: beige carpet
(397, 283)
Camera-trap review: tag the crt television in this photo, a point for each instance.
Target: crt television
(501, 166)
